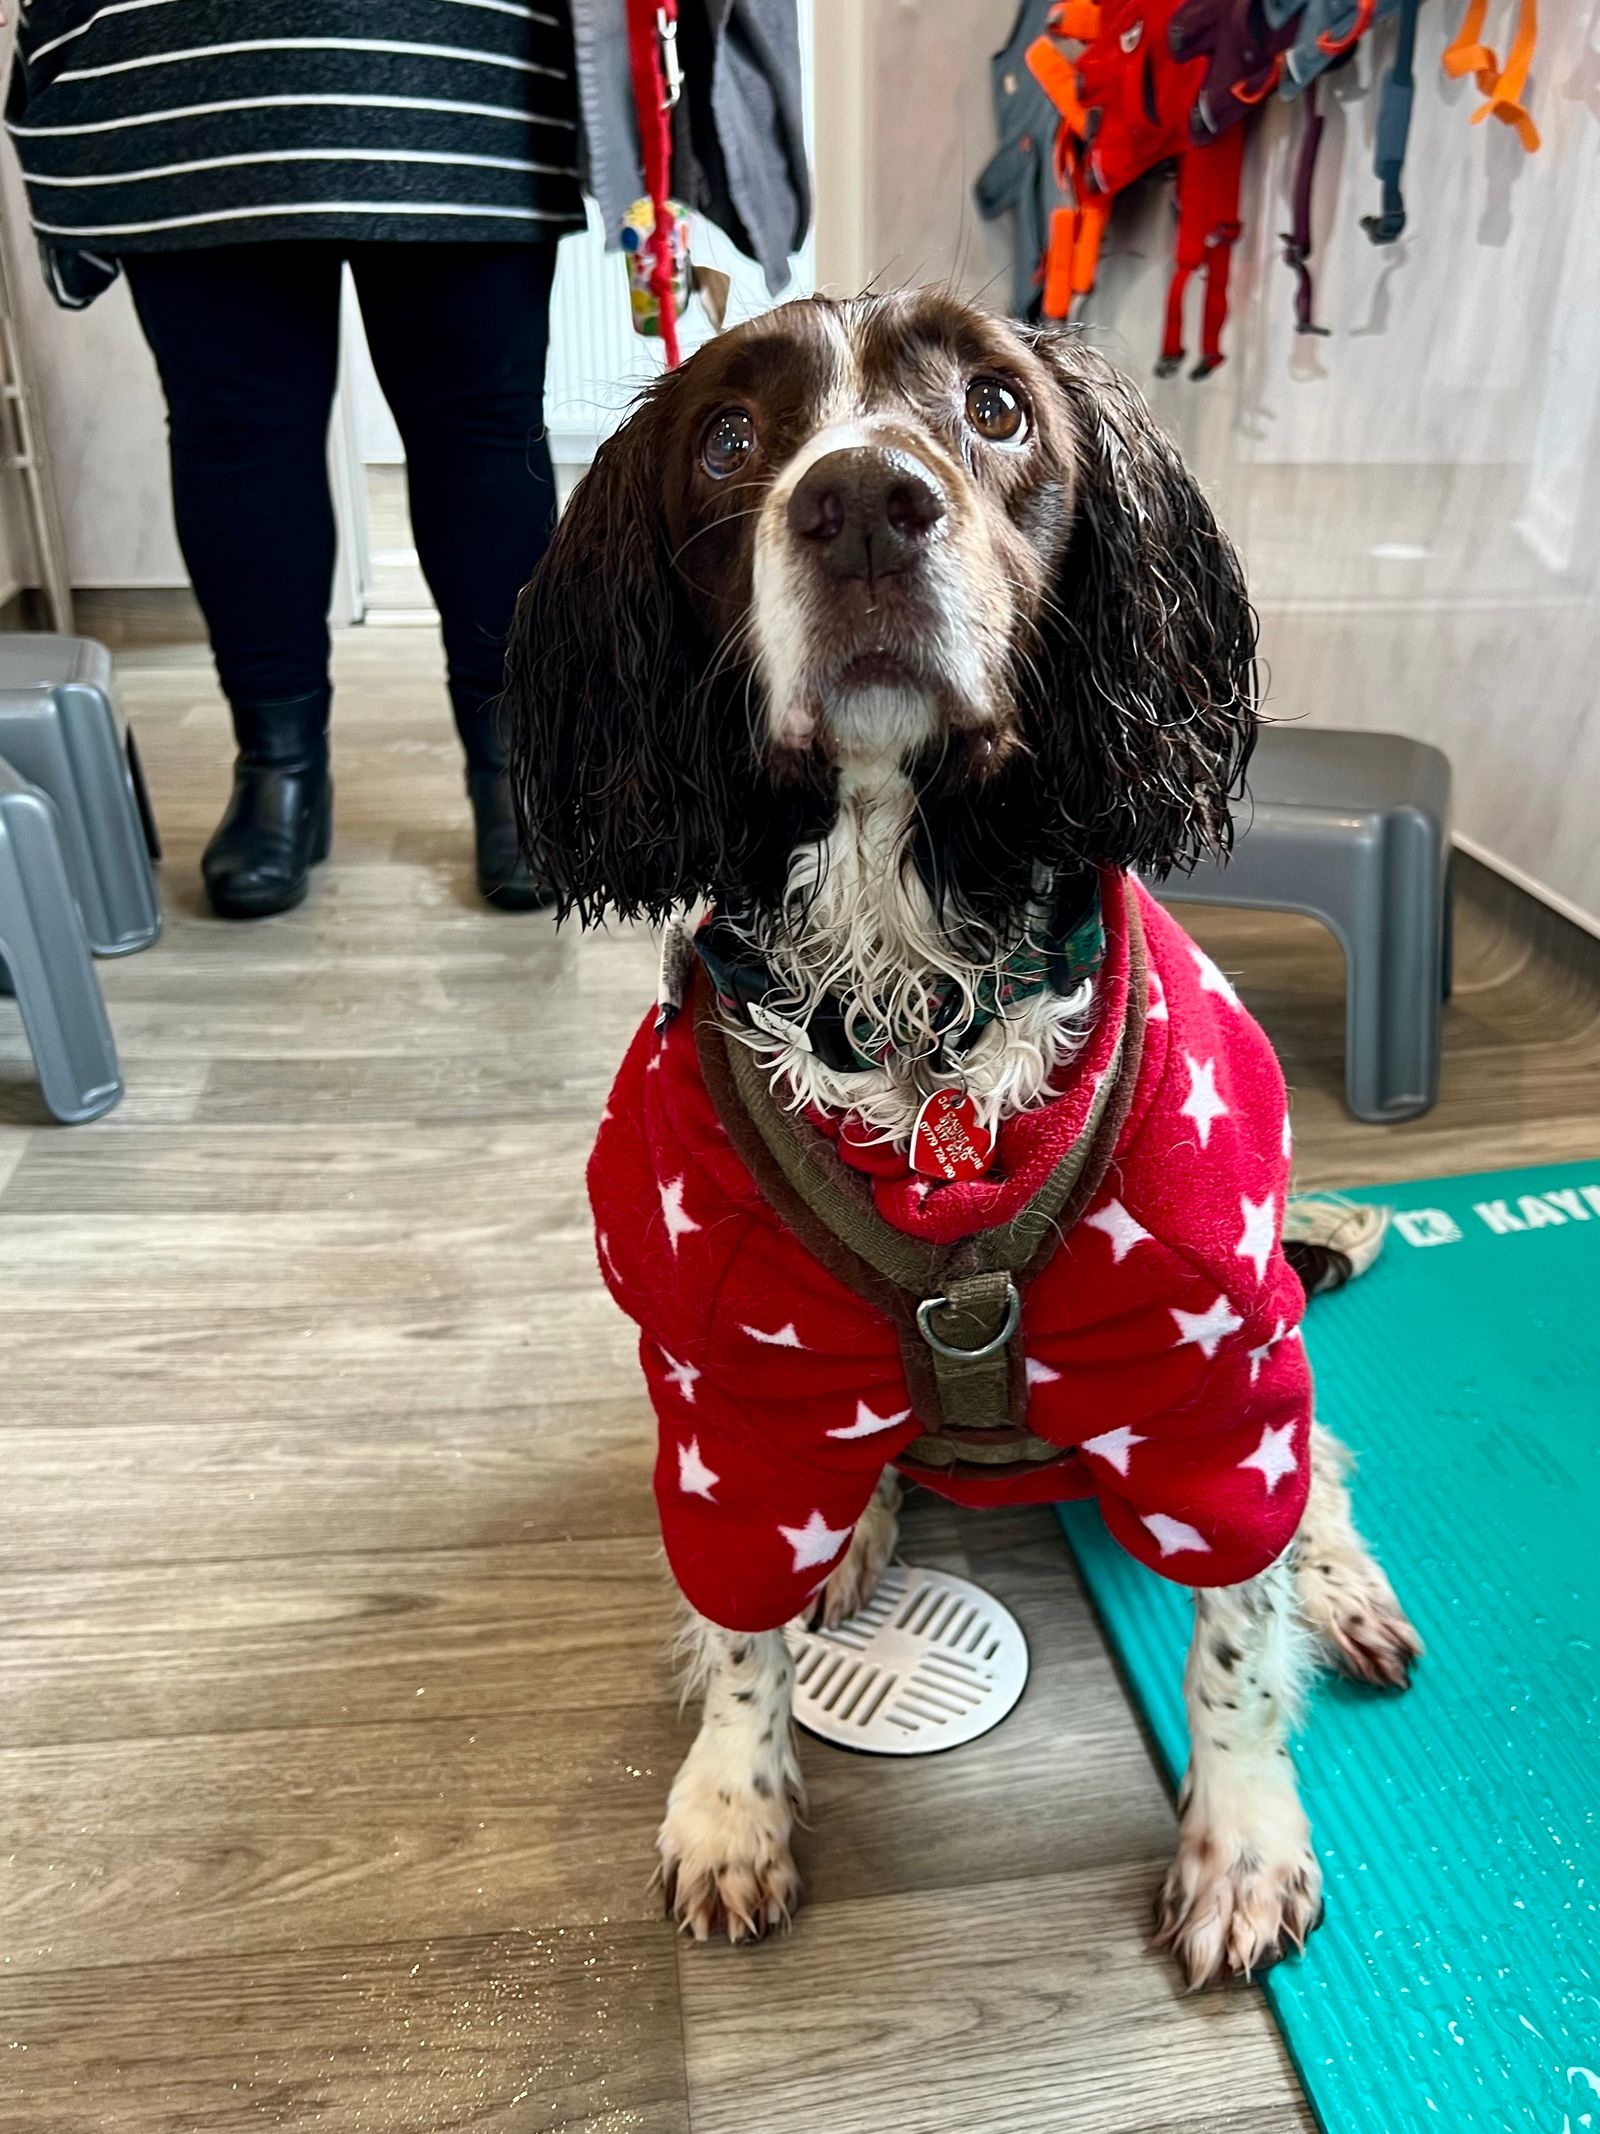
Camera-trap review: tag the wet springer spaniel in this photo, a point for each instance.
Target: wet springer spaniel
(896, 641)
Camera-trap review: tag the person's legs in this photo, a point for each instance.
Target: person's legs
(458, 336)
(246, 342)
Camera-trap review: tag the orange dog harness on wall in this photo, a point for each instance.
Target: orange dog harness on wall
(1502, 87)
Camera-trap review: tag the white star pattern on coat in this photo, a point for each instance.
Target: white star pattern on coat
(867, 1424)
(695, 1478)
(1274, 1455)
(815, 1542)
(1120, 1227)
(1211, 979)
(1115, 1447)
(1173, 1536)
(682, 1375)
(1202, 1104)
(1259, 1356)
(672, 1212)
(1157, 1010)
(604, 1243)
(1288, 1138)
(1037, 1373)
(1260, 1231)
(785, 1338)
(1206, 1330)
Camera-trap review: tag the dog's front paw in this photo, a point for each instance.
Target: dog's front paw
(726, 1863)
(853, 1581)
(1350, 1606)
(1241, 1892)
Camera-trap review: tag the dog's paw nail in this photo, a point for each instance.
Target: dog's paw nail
(1233, 1906)
(727, 1861)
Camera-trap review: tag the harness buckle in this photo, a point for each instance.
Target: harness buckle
(671, 65)
(1013, 1315)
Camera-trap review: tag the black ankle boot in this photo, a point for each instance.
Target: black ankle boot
(279, 822)
(503, 876)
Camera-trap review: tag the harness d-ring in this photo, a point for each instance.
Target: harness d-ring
(930, 1305)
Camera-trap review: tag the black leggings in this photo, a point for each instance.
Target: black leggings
(246, 338)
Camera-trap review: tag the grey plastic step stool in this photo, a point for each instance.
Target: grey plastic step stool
(44, 957)
(1354, 829)
(60, 730)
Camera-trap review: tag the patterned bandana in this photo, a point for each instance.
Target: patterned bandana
(1062, 943)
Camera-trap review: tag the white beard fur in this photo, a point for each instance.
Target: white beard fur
(858, 923)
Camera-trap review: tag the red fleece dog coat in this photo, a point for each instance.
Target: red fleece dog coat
(1161, 1337)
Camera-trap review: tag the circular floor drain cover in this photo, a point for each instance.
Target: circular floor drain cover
(930, 1661)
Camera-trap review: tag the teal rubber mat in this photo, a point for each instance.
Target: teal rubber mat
(1456, 1981)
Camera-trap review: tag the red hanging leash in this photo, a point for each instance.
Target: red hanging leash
(657, 81)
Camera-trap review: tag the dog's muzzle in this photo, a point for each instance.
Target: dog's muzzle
(866, 511)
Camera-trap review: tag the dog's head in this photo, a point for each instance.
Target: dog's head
(887, 530)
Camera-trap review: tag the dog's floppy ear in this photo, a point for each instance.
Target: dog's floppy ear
(1149, 707)
(630, 760)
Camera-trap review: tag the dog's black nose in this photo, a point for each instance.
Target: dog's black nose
(868, 508)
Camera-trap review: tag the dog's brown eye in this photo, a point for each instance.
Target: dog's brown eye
(995, 411)
(729, 441)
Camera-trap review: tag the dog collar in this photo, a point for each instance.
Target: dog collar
(1062, 943)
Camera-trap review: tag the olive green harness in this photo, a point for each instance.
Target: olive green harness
(957, 1308)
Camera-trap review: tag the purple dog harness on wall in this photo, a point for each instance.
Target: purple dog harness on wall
(1245, 55)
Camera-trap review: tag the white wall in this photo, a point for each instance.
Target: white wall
(1418, 496)
(930, 130)
(16, 562)
(16, 547)
(104, 423)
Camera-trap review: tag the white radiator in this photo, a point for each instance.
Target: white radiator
(597, 361)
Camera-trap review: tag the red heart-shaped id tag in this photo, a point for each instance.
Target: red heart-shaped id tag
(948, 1140)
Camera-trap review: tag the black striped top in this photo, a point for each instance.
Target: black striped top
(160, 125)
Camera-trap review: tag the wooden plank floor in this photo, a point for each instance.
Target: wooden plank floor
(335, 1713)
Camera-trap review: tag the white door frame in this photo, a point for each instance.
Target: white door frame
(843, 45)
(347, 478)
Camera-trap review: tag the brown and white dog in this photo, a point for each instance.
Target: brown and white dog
(870, 616)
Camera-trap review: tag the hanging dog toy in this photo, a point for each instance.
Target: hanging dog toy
(650, 313)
